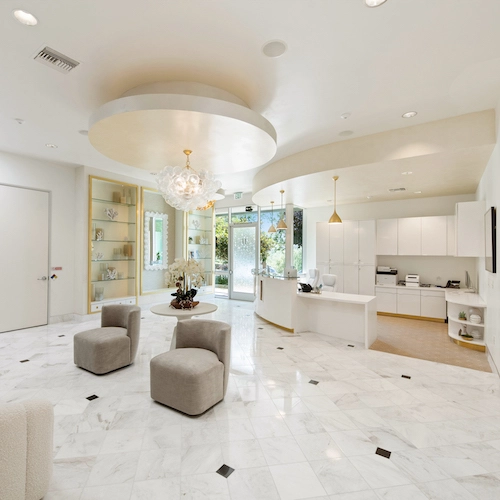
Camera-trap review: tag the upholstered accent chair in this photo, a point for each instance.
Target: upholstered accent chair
(313, 278)
(193, 377)
(26, 447)
(329, 282)
(112, 346)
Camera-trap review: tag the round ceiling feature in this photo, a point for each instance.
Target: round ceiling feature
(51, 146)
(345, 116)
(150, 125)
(83, 132)
(406, 173)
(25, 17)
(374, 3)
(409, 114)
(346, 133)
(274, 48)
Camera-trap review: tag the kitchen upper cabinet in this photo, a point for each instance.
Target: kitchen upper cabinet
(410, 236)
(470, 229)
(387, 237)
(434, 235)
(451, 244)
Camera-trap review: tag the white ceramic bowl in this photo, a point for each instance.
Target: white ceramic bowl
(474, 318)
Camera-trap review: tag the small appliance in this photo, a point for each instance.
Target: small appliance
(412, 280)
(386, 275)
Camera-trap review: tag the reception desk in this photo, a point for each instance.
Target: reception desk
(341, 315)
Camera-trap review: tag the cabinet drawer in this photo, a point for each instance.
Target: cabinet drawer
(408, 291)
(386, 300)
(409, 302)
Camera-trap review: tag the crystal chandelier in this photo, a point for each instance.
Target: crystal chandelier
(185, 189)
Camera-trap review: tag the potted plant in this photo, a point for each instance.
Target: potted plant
(187, 276)
(462, 315)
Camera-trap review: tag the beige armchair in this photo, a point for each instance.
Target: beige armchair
(193, 377)
(112, 346)
(26, 443)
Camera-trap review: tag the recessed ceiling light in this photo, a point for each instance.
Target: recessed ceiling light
(20, 121)
(52, 146)
(25, 17)
(345, 116)
(368, 197)
(374, 3)
(417, 192)
(274, 48)
(409, 114)
(346, 133)
(406, 173)
(83, 132)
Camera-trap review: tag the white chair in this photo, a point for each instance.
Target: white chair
(329, 282)
(313, 279)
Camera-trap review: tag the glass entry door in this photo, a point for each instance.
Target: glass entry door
(243, 258)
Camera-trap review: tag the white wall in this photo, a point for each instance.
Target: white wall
(489, 283)
(60, 181)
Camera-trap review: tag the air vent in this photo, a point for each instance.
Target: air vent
(394, 190)
(56, 60)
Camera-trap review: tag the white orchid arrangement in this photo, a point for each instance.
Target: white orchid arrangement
(185, 275)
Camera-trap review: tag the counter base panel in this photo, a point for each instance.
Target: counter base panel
(409, 316)
(291, 330)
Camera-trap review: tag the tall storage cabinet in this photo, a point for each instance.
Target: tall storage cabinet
(199, 244)
(112, 268)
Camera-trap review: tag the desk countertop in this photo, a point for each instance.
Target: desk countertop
(348, 298)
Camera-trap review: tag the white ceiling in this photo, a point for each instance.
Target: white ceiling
(438, 57)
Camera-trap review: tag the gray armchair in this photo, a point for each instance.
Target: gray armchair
(112, 346)
(193, 377)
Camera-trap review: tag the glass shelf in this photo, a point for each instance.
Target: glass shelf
(113, 221)
(114, 202)
(113, 260)
(203, 230)
(111, 281)
(116, 241)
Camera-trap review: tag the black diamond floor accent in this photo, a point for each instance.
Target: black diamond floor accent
(90, 398)
(405, 376)
(350, 345)
(225, 471)
(24, 361)
(260, 328)
(383, 453)
(314, 382)
(280, 348)
(60, 335)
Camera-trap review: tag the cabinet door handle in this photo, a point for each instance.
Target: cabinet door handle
(43, 278)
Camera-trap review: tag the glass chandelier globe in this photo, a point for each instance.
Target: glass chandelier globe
(185, 189)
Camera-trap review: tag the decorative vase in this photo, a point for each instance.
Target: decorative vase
(184, 300)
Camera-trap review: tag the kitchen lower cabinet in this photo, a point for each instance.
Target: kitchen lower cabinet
(387, 300)
(432, 304)
(408, 302)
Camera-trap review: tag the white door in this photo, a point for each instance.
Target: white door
(351, 246)
(243, 257)
(24, 257)
(351, 276)
(366, 280)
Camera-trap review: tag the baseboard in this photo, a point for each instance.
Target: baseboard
(408, 316)
(61, 318)
(493, 366)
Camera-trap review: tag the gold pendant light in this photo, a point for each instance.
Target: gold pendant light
(272, 229)
(335, 219)
(281, 222)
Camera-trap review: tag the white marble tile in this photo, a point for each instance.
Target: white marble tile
(447, 489)
(157, 489)
(269, 427)
(158, 464)
(408, 492)
(235, 429)
(70, 406)
(73, 494)
(281, 450)
(83, 444)
(379, 472)
(113, 469)
(266, 408)
(243, 454)
(418, 466)
(365, 418)
(108, 492)
(252, 484)
(318, 446)
(290, 406)
(122, 440)
(358, 495)
(454, 461)
(133, 419)
(336, 421)
(166, 436)
(204, 487)
(353, 443)
(201, 459)
(303, 423)
(196, 432)
(485, 486)
(296, 481)
(71, 473)
(339, 476)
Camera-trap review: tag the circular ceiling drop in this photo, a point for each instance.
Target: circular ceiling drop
(150, 125)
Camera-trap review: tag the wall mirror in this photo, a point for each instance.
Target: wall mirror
(155, 241)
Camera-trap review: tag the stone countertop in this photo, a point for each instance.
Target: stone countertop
(435, 288)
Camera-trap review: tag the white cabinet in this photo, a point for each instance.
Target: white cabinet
(351, 246)
(387, 237)
(470, 229)
(367, 242)
(408, 301)
(432, 304)
(322, 243)
(451, 244)
(336, 236)
(387, 300)
(434, 235)
(410, 236)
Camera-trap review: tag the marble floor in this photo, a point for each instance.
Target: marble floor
(285, 437)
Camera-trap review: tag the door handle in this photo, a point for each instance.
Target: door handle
(43, 278)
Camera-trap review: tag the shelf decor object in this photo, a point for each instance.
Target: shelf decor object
(112, 236)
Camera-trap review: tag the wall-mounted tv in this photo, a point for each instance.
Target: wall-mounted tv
(490, 240)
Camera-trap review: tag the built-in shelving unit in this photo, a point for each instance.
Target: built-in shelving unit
(200, 244)
(112, 243)
(469, 303)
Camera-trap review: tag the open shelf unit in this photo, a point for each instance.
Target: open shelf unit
(199, 245)
(112, 268)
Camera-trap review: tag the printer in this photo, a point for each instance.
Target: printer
(412, 280)
(386, 275)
